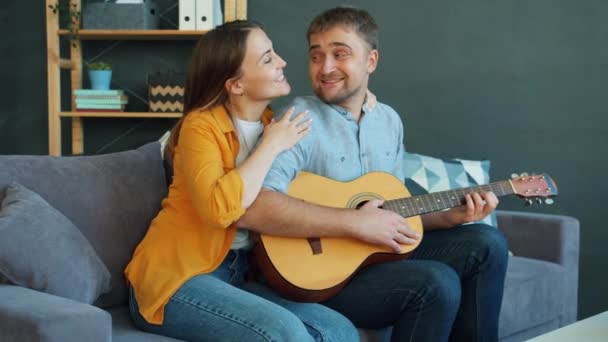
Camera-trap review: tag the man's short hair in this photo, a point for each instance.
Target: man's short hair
(354, 18)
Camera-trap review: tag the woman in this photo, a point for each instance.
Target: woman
(187, 276)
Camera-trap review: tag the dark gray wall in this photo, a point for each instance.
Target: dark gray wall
(23, 127)
(522, 83)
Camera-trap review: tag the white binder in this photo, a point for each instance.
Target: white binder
(208, 14)
(187, 14)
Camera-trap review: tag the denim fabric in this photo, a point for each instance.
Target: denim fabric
(339, 147)
(479, 255)
(222, 306)
(450, 289)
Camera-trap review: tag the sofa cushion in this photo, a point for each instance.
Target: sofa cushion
(111, 198)
(432, 174)
(42, 250)
(531, 283)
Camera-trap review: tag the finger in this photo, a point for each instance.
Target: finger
(376, 203)
(491, 203)
(402, 239)
(480, 203)
(304, 131)
(304, 126)
(470, 205)
(490, 198)
(477, 199)
(408, 232)
(300, 135)
(299, 119)
(394, 246)
(287, 116)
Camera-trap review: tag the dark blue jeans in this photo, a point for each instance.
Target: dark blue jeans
(450, 289)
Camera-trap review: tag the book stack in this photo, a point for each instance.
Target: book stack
(111, 100)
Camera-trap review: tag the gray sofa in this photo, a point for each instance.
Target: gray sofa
(112, 198)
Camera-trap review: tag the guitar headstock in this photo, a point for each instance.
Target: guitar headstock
(534, 187)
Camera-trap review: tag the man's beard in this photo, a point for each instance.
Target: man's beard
(338, 98)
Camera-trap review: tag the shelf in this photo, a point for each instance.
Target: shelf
(135, 34)
(233, 10)
(93, 114)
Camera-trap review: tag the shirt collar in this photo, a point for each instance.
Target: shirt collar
(346, 113)
(365, 107)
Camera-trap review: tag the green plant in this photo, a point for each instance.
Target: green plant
(73, 19)
(99, 66)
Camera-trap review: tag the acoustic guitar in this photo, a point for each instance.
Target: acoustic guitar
(315, 269)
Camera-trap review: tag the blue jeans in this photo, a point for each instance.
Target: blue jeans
(450, 289)
(222, 306)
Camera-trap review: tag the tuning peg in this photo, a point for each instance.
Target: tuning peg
(549, 201)
(528, 202)
(514, 175)
(524, 174)
(539, 201)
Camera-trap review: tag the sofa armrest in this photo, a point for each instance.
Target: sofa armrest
(546, 237)
(28, 315)
(553, 238)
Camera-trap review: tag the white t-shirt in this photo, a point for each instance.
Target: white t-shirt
(248, 132)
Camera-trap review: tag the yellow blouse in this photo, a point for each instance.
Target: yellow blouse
(194, 229)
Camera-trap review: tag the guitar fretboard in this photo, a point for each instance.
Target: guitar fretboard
(422, 204)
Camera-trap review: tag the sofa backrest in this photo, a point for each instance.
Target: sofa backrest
(111, 198)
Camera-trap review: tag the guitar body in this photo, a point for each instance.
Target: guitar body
(315, 269)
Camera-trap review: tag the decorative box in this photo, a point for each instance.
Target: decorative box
(126, 16)
(166, 91)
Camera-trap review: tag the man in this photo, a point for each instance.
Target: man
(451, 288)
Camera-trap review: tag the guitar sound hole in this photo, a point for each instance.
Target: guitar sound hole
(359, 205)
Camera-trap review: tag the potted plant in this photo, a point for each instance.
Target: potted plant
(100, 74)
(71, 15)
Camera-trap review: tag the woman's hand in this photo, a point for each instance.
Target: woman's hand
(285, 133)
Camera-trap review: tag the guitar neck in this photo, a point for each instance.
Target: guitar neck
(422, 204)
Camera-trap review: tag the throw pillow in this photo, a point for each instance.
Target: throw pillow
(434, 174)
(42, 250)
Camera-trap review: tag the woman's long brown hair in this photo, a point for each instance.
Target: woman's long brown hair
(217, 57)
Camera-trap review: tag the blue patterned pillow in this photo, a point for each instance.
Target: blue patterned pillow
(429, 174)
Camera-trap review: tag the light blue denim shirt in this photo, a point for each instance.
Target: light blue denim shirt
(340, 148)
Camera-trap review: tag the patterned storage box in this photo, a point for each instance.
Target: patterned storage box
(106, 15)
(166, 91)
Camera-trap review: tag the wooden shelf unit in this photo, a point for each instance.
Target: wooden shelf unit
(135, 34)
(94, 114)
(233, 9)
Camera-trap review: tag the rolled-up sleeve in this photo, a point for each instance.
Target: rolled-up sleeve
(284, 169)
(216, 195)
(289, 163)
